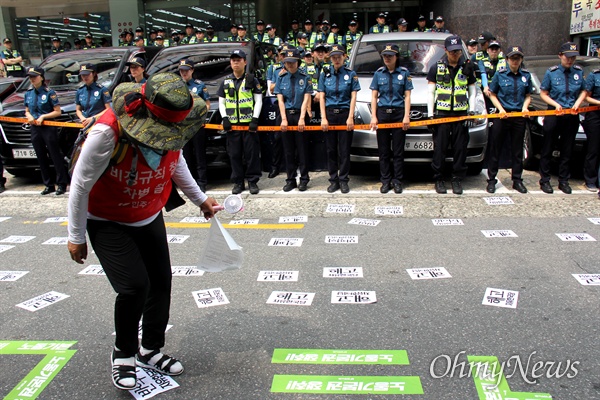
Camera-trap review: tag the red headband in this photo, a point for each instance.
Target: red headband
(135, 101)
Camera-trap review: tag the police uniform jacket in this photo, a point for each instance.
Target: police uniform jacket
(196, 86)
(293, 87)
(92, 99)
(40, 101)
(592, 84)
(391, 86)
(338, 86)
(511, 88)
(379, 29)
(564, 86)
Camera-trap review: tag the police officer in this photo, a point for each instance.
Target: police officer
(194, 151)
(562, 87)
(472, 47)
(421, 24)
(292, 35)
(334, 36)
(338, 86)
(152, 38)
(163, 33)
(89, 42)
(488, 68)
(390, 103)
(591, 125)
(482, 55)
(402, 25)
(137, 69)
(302, 40)
(92, 100)
(128, 38)
(41, 103)
(352, 35)
(272, 38)
(323, 33)
(139, 41)
(510, 90)
(56, 46)
(198, 38)
(380, 26)
(439, 25)
(452, 89)
(311, 35)
(12, 60)
(189, 34)
(240, 103)
(233, 30)
(78, 45)
(122, 42)
(159, 41)
(293, 90)
(260, 34)
(139, 32)
(210, 35)
(241, 37)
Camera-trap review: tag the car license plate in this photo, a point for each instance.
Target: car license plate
(419, 145)
(23, 153)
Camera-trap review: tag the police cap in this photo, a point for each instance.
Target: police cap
(569, 49)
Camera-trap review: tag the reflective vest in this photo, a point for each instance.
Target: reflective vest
(350, 39)
(489, 67)
(13, 54)
(239, 105)
(276, 41)
(451, 95)
(335, 38)
(311, 71)
(312, 40)
(262, 39)
(385, 29)
(193, 40)
(213, 40)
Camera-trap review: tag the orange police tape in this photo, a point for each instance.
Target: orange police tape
(425, 122)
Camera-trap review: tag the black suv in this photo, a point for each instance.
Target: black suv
(62, 75)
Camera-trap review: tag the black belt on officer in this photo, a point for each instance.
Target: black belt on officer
(337, 110)
(390, 110)
(292, 111)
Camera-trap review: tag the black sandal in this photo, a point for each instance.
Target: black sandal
(121, 372)
(163, 365)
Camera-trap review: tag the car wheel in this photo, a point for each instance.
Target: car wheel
(474, 168)
(530, 162)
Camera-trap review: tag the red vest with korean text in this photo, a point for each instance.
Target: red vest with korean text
(111, 198)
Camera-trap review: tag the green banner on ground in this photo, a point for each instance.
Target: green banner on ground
(325, 356)
(324, 384)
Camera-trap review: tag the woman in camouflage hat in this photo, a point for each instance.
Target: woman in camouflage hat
(121, 207)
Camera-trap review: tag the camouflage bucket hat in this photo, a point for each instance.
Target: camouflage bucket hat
(161, 114)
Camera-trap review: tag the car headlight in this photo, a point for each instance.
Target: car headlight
(480, 109)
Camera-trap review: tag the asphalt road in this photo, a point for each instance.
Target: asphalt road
(227, 349)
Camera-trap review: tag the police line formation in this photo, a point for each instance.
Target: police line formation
(310, 70)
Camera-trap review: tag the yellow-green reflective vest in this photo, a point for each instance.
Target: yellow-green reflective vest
(239, 105)
(451, 95)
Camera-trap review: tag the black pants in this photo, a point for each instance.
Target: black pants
(194, 152)
(338, 147)
(565, 126)
(16, 74)
(591, 124)
(457, 135)
(136, 262)
(278, 151)
(391, 141)
(514, 129)
(295, 147)
(45, 142)
(244, 146)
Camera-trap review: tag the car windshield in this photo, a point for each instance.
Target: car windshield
(62, 73)
(417, 56)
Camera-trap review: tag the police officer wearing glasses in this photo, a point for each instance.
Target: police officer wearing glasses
(390, 103)
(510, 91)
(293, 89)
(561, 88)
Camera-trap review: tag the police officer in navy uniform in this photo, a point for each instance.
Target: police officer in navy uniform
(591, 125)
(92, 100)
(240, 103)
(562, 87)
(510, 90)
(390, 103)
(380, 26)
(352, 35)
(338, 86)
(194, 151)
(421, 25)
(438, 25)
(89, 42)
(452, 90)
(41, 103)
(12, 60)
(293, 89)
(56, 46)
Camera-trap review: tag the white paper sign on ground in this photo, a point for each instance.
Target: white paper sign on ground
(595, 221)
(221, 252)
(278, 276)
(94, 269)
(186, 270)
(11, 276)
(140, 331)
(340, 208)
(4, 247)
(428, 273)
(61, 241)
(195, 220)
(575, 237)
(353, 297)
(2, 219)
(56, 219)
(41, 301)
(293, 219)
(364, 221)
(343, 272)
(447, 221)
(210, 297)
(177, 239)
(389, 210)
(499, 233)
(291, 298)
(286, 242)
(498, 201)
(341, 239)
(500, 298)
(150, 383)
(17, 239)
(584, 279)
(244, 222)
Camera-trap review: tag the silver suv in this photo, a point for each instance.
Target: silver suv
(418, 52)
